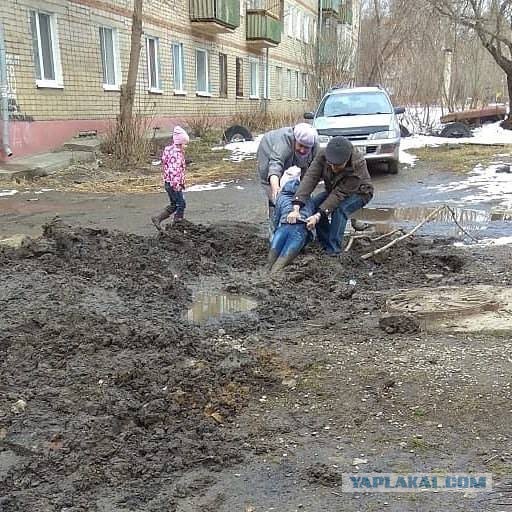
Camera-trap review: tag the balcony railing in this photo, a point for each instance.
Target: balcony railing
(216, 15)
(263, 28)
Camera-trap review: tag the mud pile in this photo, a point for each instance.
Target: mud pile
(120, 392)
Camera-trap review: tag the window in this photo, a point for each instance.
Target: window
(202, 73)
(307, 21)
(296, 82)
(239, 77)
(279, 82)
(46, 49)
(299, 21)
(153, 64)
(288, 83)
(110, 59)
(178, 68)
(223, 75)
(254, 70)
(304, 86)
(287, 18)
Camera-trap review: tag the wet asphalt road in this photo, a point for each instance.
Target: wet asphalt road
(401, 199)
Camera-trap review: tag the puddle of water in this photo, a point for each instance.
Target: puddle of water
(208, 305)
(387, 219)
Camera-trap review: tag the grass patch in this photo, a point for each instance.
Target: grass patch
(460, 157)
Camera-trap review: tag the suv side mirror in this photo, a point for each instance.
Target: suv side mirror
(309, 115)
(399, 110)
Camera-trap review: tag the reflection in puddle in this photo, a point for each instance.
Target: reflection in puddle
(387, 219)
(209, 305)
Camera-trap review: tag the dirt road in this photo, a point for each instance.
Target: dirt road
(111, 400)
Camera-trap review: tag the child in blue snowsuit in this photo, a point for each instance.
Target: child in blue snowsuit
(288, 239)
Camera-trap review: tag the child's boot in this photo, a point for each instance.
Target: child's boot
(158, 219)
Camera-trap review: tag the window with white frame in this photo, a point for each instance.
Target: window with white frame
(289, 83)
(296, 82)
(304, 86)
(110, 59)
(202, 73)
(287, 18)
(254, 70)
(307, 21)
(45, 44)
(299, 24)
(293, 28)
(178, 68)
(153, 64)
(279, 82)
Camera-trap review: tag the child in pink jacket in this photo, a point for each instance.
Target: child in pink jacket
(173, 173)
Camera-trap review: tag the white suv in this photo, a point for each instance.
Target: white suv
(366, 117)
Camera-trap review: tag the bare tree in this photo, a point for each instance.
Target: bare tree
(331, 58)
(124, 127)
(491, 21)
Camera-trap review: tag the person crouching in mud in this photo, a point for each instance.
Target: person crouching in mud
(348, 188)
(288, 239)
(174, 167)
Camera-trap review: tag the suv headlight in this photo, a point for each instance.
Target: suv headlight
(323, 139)
(381, 135)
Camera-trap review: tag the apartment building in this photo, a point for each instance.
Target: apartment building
(66, 61)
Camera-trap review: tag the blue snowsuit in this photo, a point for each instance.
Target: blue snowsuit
(288, 239)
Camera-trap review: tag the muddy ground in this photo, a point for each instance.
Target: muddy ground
(110, 400)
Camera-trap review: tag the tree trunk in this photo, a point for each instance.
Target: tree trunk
(507, 124)
(128, 90)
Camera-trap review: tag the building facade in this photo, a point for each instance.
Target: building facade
(66, 61)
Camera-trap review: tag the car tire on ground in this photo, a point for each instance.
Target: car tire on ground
(455, 131)
(393, 167)
(237, 133)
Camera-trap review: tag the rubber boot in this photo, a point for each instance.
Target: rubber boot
(179, 217)
(158, 219)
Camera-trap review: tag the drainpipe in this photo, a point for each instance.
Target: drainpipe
(266, 92)
(3, 93)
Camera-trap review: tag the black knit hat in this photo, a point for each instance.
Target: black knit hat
(338, 150)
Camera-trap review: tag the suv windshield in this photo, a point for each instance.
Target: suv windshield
(354, 104)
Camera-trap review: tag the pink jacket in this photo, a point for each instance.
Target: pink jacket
(174, 167)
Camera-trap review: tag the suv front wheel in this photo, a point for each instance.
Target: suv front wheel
(393, 167)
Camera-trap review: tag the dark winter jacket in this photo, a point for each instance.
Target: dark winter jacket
(354, 179)
(276, 153)
(284, 204)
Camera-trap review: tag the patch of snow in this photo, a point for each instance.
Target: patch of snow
(504, 240)
(243, 150)
(43, 190)
(209, 186)
(487, 134)
(4, 193)
(484, 184)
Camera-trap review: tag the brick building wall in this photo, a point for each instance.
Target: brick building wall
(44, 113)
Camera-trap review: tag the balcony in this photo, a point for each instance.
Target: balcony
(215, 16)
(331, 7)
(263, 28)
